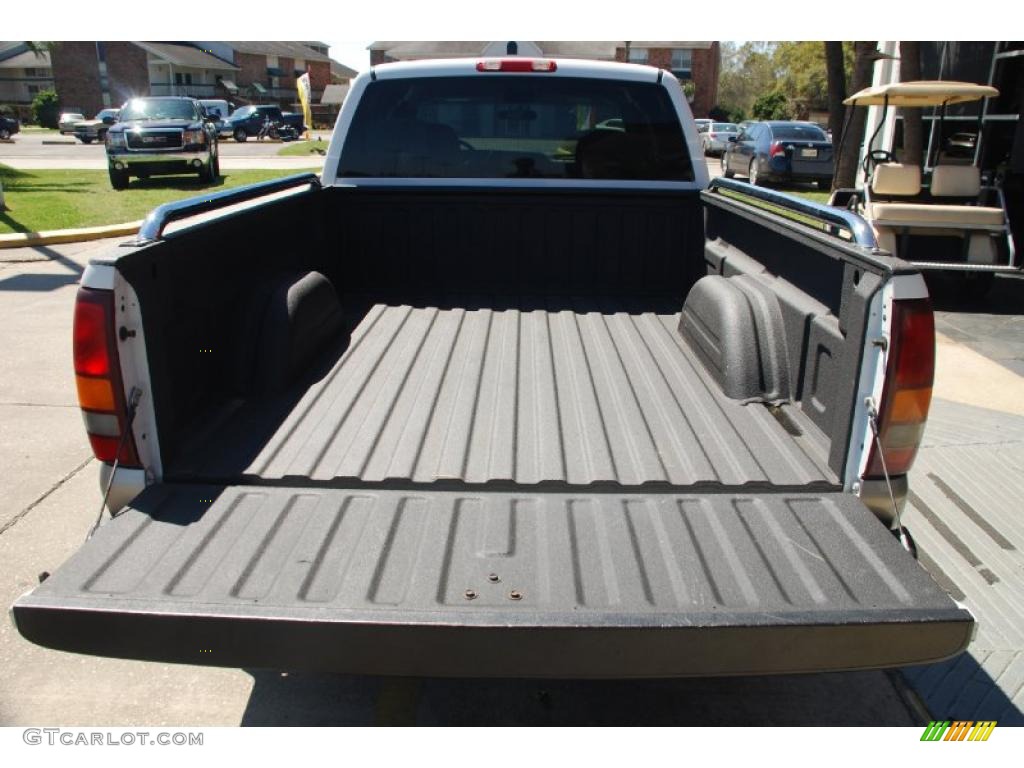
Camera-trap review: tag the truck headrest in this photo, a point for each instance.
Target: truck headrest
(956, 181)
(896, 179)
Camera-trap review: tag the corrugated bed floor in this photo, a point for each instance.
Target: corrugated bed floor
(550, 394)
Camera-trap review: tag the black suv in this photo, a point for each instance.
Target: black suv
(156, 136)
(8, 126)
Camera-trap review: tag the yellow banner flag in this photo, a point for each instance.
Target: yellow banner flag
(302, 84)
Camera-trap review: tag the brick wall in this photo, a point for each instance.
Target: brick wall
(287, 65)
(319, 74)
(252, 69)
(127, 72)
(704, 71)
(76, 76)
(706, 66)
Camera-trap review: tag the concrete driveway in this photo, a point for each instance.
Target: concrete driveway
(52, 499)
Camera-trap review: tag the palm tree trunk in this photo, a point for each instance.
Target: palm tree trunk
(863, 66)
(913, 131)
(836, 73)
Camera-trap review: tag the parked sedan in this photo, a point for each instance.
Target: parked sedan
(716, 138)
(68, 120)
(780, 151)
(8, 127)
(88, 131)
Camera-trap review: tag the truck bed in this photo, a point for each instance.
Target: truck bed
(546, 391)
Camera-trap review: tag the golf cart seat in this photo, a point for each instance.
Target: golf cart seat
(953, 181)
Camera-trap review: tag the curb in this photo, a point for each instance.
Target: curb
(55, 236)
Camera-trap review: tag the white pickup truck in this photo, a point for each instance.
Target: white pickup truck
(509, 390)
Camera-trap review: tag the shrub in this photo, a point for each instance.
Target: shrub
(772, 106)
(46, 109)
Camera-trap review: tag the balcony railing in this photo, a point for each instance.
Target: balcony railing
(195, 90)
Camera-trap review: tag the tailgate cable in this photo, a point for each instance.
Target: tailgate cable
(900, 532)
(133, 403)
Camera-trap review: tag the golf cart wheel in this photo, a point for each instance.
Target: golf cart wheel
(240, 134)
(753, 176)
(118, 179)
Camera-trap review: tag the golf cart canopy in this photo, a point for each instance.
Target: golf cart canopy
(920, 93)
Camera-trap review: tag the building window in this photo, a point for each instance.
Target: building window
(183, 78)
(33, 90)
(682, 61)
(637, 55)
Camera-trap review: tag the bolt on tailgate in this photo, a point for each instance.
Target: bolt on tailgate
(496, 584)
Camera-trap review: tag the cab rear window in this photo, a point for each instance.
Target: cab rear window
(510, 126)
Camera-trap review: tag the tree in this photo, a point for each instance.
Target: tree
(803, 73)
(835, 68)
(772, 106)
(46, 109)
(748, 71)
(849, 148)
(913, 131)
(719, 115)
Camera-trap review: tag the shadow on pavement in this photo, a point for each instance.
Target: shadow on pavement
(37, 283)
(855, 698)
(1006, 297)
(44, 282)
(962, 688)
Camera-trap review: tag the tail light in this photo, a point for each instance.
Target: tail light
(910, 372)
(776, 149)
(98, 378)
(516, 65)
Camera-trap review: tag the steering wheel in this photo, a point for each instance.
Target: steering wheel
(463, 144)
(877, 157)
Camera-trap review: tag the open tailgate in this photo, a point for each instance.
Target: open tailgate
(496, 584)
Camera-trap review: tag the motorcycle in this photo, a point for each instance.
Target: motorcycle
(277, 131)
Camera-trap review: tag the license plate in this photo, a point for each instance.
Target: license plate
(808, 153)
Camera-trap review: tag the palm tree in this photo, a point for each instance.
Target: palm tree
(865, 54)
(913, 132)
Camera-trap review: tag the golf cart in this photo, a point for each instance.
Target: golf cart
(952, 223)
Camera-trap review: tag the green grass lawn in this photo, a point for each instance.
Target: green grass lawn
(37, 129)
(311, 149)
(64, 199)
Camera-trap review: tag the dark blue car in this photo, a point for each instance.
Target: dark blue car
(248, 120)
(780, 151)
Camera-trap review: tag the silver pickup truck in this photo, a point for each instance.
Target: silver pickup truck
(509, 390)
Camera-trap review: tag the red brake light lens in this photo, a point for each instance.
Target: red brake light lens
(910, 373)
(98, 377)
(90, 339)
(776, 149)
(516, 65)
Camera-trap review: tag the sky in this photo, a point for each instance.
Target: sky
(351, 53)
